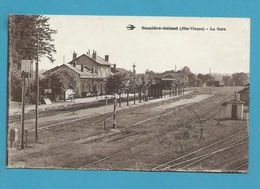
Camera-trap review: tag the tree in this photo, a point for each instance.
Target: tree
(186, 70)
(26, 35)
(143, 81)
(59, 82)
(240, 79)
(207, 78)
(227, 80)
(192, 80)
(199, 82)
(115, 84)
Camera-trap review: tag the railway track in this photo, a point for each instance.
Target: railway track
(196, 160)
(242, 166)
(115, 154)
(184, 161)
(139, 145)
(99, 118)
(205, 152)
(115, 137)
(161, 167)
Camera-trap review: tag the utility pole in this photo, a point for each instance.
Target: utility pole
(37, 89)
(114, 115)
(23, 105)
(134, 96)
(73, 104)
(134, 80)
(218, 116)
(120, 100)
(25, 70)
(105, 111)
(127, 100)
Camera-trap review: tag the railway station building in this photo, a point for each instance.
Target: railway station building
(91, 72)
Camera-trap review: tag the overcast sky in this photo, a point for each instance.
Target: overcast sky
(158, 50)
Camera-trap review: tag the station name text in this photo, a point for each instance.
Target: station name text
(184, 28)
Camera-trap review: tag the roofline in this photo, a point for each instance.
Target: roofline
(81, 76)
(70, 68)
(52, 69)
(235, 100)
(91, 59)
(168, 79)
(94, 77)
(245, 89)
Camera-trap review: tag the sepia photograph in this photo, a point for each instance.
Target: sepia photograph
(130, 93)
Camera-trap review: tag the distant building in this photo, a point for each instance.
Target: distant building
(219, 83)
(244, 95)
(172, 84)
(116, 70)
(91, 72)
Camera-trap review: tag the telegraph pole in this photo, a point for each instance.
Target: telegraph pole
(105, 111)
(25, 70)
(127, 100)
(114, 115)
(37, 89)
(134, 80)
(218, 116)
(73, 103)
(23, 105)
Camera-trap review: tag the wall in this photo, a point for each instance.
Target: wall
(240, 113)
(65, 68)
(100, 70)
(225, 112)
(86, 85)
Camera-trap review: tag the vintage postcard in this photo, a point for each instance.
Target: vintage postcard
(128, 93)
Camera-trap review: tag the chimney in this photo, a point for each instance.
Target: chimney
(74, 55)
(82, 67)
(114, 66)
(107, 58)
(94, 54)
(88, 52)
(74, 63)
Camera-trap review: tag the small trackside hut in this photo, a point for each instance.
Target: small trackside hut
(233, 109)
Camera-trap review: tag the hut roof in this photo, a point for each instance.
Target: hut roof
(246, 89)
(234, 101)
